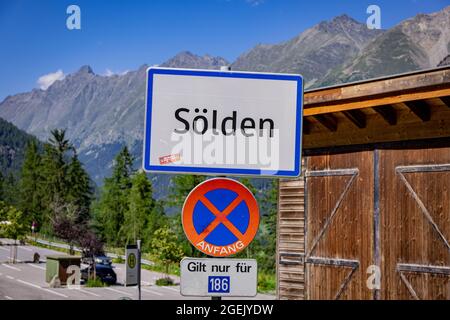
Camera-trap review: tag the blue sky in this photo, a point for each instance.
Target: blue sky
(121, 35)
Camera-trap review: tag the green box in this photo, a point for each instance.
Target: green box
(58, 264)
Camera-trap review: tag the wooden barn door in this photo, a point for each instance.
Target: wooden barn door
(339, 227)
(388, 209)
(415, 223)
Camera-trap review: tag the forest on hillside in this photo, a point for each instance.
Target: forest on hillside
(53, 191)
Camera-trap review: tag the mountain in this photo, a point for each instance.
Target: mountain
(312, 53)
(418, 43)
(103, 113)
(13, 142)
(187, 59)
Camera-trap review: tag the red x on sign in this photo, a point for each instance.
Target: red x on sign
(220, 217)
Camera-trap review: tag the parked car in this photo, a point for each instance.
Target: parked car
(104, 260)
(103, 270)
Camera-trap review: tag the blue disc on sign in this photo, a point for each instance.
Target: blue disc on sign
(220, 217)
(221, 199)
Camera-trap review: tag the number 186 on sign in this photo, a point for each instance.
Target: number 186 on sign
(218, 284)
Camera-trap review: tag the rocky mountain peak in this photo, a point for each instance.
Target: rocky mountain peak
(187, 59)
(86, 69)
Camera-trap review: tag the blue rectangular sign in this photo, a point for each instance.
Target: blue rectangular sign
(192, 104)
(218, 284)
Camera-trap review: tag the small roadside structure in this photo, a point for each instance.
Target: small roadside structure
(369, 217)
(57, 266)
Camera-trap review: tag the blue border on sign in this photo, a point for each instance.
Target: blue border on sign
(218, 171)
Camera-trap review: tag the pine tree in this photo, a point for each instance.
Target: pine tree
(2, 180)
(79, 188)
(270, 225)
(55, 165)
(54, 169)
(110, 209)
(10, 190)
(140, 206)
(31, 184)
(246, 182)
(182, 186)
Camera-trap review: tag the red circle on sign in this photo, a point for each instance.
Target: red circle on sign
(198, 194)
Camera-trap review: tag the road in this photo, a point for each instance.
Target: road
(26, 280)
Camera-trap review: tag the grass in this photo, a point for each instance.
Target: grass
(119, 259)
(47, 238)
(97, 283)
(40, 245)
(118, 251)
(266, 282)
(173, 269)
(164, 282)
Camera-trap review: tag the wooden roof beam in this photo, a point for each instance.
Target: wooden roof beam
(306, 126)
(328, 121)
(391, 86)
(446, 100)
(388, 113)
(420, 108)
(370, 102)
(357, 117)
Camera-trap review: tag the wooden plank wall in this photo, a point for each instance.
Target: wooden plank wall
(291, 240)
(415, 220)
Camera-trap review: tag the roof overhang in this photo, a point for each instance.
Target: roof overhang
(402, 107)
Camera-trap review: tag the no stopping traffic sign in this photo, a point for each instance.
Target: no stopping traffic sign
(220, 217)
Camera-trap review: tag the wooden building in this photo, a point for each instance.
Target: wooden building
(370, 216)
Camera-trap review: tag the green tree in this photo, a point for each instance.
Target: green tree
(246, 182)
(140, 208)
(2, 181)
(56, 164)
(65, 184)
(182, 186)
(155, 220)
(31, 184)
(12, 225)
(165, 247)
(110, 209)
(13, 222)
(267, 257)
(10, 189)
(79, 190)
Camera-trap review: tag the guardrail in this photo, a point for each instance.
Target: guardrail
(66, 246)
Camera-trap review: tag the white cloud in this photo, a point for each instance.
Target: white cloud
(108, 73)
(47, 80)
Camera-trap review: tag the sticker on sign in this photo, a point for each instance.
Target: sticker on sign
(202, 277)
(223, 122)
